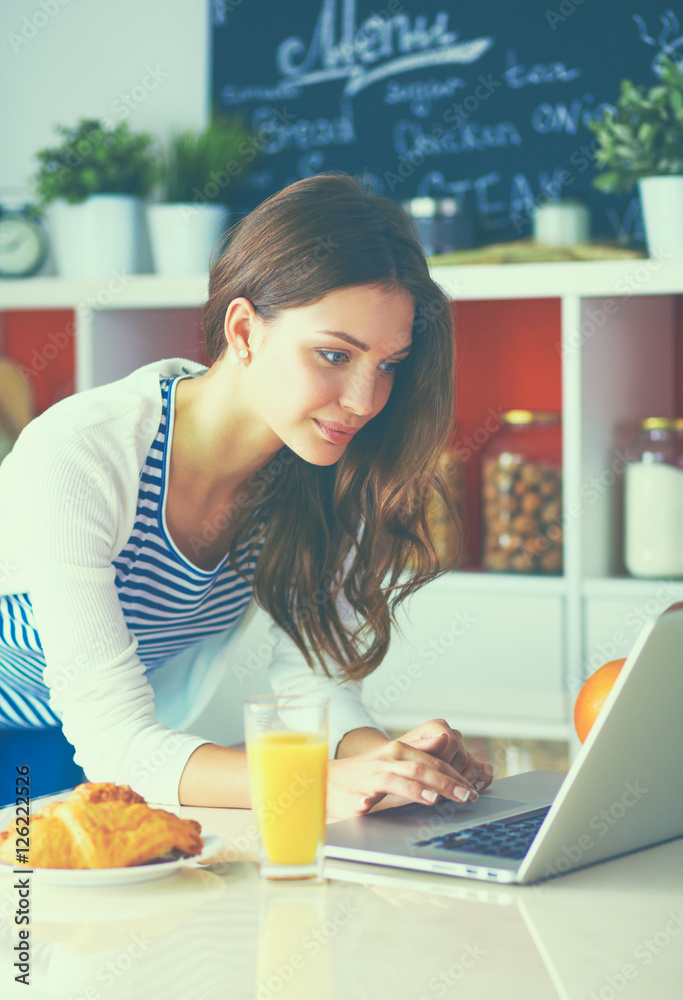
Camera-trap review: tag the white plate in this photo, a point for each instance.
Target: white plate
(120, 876)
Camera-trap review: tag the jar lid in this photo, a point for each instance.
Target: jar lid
(562, 203)
(658, 424)
(530, 416)
(448, 208)
(422, 208)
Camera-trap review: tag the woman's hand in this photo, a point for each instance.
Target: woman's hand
(451, 749)
(413, 773)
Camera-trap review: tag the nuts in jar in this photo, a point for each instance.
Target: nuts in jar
(521, 486)
(445, 533)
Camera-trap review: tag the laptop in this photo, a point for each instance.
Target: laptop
(623, 792)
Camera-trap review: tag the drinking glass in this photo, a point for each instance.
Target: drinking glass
(286, 738)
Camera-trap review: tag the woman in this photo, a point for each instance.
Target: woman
(143, 515)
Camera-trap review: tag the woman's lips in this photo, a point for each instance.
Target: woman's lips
(337, 437)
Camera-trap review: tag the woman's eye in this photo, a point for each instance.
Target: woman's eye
(393, 365)
(323, 354)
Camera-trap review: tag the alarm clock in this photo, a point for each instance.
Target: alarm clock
(23, 242)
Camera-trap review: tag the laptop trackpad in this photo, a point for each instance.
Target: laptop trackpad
(396, 830)
(452, 815)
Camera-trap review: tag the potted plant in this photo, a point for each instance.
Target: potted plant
(91, 189)
(643, 145)
(197, 174)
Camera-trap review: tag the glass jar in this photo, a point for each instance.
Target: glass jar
(423, 212)
(653, 500)
(444, 532)
(521, 491)
(455, 225)
(678, 427)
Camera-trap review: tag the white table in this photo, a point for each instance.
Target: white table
(612, 930)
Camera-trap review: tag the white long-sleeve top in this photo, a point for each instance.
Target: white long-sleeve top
(68, 496)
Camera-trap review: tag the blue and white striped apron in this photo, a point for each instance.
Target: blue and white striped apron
(167, 602)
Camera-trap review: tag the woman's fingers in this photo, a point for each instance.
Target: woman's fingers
(404, 770)
(406, 751)
(478, 772)
(420, 782)
(399, 771)
(450, 748)
(434, 739)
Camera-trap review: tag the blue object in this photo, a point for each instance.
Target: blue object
(49, 756)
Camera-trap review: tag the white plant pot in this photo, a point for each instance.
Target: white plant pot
(183, 236)
(97, 236)
(661, 199)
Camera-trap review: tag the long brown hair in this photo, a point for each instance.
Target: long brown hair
(316, 235)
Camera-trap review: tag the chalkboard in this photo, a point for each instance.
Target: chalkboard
(485, 100)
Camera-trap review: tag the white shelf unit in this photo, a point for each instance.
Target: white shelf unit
(495, 654)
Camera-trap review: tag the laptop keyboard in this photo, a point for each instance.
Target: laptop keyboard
(504, 838)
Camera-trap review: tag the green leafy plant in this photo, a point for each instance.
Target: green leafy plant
(205, 165)
(645, 137)
(94, 160)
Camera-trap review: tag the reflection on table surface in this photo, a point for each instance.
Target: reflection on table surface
(217, 932)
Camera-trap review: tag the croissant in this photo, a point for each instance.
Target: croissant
(103, 826)
(105, 791)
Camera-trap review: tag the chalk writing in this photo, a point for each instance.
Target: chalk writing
(377, 40)
(666, 47)
(560, 118)
(304, 133)
(629, 223)
(394, 92)
(409, 137)
(517, 76)
(420, 93)
(285, 90)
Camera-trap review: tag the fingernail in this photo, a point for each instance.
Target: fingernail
(465, 794)
(479, 784)
(429, 796)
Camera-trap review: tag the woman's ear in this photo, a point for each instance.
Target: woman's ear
(238, 327)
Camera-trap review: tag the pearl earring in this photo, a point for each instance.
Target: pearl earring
(243, 354)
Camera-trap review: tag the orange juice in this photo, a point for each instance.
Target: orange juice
(288, 772)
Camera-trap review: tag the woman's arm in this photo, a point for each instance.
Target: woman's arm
(359, 740)
(218, 776)
(62, 505)
(215, 776)
(370, 771)
(389, 769)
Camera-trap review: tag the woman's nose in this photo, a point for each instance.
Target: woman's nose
(359, 393)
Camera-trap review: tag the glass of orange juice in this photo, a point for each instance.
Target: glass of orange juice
(286, 739)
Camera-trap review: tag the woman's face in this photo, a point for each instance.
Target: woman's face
(303, 371)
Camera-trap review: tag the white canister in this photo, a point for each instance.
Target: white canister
(661, 199)
(98, 236)
(183, 236)
(653, 502)
(562, 223)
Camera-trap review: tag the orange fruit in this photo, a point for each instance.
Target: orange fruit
(591, 697)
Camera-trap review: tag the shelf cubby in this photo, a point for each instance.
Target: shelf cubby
(600, 342)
